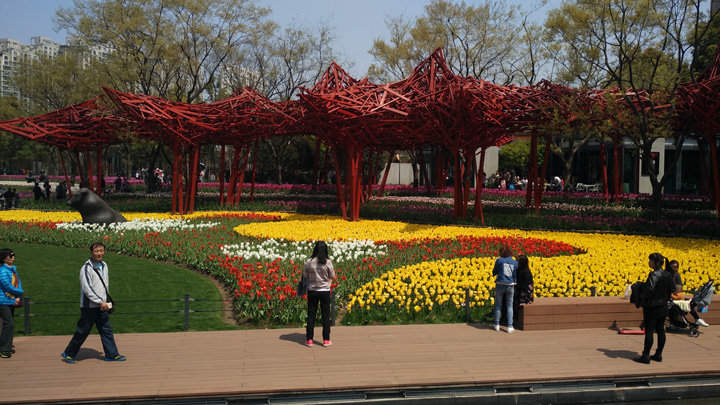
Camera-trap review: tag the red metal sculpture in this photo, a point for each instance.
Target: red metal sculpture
(431, 108)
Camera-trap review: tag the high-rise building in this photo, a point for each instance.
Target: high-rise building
(13, 53)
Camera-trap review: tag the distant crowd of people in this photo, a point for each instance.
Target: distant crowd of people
(509, 180)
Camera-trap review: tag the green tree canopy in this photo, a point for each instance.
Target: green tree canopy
(173, 49)
(482, 41)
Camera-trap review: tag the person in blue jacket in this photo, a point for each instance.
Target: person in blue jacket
(10, 298)
(505, 272)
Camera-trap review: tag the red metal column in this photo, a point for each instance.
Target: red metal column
(457, 188)
(252, 184)
(221, 176)
(67, 180)
(99, 168)
(175, 194)
(89, 169)
(354, 180)
(242, 176)
(193, 179)
(478, 211)
(177, 178)
(616, 172)
(546, 159)
(79, 167)
(603, 165)
(316, 163)
(423, 169)
(358, 185)
(716, 181)
(532, 175)
(466, 184)
(540, 184)
(338, 187)
(385, 175)
(705, 181)
(233, 175)
(324, 170)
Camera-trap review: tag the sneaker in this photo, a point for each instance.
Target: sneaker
(497, 328)
(68, 359)
(326, 343)
(309, 343)
(701, 322)
(115, 358)
(642, 359)
(656, 357)
(510, 329)
(5, 355)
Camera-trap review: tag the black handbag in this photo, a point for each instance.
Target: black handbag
(109, 298)
(302, 287)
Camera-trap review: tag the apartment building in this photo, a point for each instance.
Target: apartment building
(13, 53)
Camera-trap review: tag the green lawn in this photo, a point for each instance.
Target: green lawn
(50, 277)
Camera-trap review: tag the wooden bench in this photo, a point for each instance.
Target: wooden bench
(588, 312)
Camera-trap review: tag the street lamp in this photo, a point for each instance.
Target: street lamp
(397, 156)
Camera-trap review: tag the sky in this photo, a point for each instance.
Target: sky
(357, 22)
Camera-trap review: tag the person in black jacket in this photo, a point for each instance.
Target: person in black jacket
(37, 192)
(654, 298)
(524, 289)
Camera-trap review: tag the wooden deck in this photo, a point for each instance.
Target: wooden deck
(240, 365)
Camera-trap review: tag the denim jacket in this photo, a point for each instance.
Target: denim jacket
(505, 270)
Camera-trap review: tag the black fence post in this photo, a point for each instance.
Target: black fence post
(467, 304)
(26, 305)
(332, 308)
(187, 311)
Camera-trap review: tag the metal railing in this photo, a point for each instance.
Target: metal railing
(187, 310)
(28, 304)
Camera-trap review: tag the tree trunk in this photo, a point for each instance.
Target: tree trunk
(151, 169)
(659, 184)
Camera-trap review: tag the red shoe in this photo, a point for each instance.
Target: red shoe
(309, 343)
(326, 343)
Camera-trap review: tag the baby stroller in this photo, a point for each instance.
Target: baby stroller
(700, 301)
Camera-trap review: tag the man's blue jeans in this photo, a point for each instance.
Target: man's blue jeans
(507, 293)
(88, 318)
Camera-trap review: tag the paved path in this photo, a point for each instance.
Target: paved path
(275, 362)
(15, 183)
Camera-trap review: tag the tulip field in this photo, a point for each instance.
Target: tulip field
(387, 271)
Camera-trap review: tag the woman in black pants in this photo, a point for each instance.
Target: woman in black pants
(654, 297)
(319, 273)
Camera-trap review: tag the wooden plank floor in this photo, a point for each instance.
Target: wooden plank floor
(275, 361)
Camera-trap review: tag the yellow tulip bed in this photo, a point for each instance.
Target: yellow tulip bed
(68, 216)
(612, 261)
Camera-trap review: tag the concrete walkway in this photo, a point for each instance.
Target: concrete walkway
(370, 362)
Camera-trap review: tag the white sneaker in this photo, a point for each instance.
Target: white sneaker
(497, 328)
(701, 322)
(511, 329)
